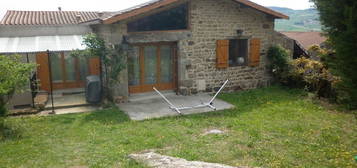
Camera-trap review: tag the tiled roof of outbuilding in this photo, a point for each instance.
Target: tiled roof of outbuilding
(13, 17)
(306, 39)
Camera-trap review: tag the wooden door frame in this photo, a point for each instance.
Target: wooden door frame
(93, 68)
(72, 84)
(141, 88)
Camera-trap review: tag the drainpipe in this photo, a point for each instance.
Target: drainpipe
(32, 92)
(51, 84)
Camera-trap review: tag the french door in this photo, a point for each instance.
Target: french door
(67, 72)
(152, 65)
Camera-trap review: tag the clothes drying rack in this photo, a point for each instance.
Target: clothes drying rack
(202, 105)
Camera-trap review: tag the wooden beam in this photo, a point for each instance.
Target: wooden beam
(138, 11)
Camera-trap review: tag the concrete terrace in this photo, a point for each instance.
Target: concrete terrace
(151, 105)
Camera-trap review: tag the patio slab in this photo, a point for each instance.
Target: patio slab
(73, 110)
(152, 106)
(63, 101)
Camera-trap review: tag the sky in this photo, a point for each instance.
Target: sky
(114, 5)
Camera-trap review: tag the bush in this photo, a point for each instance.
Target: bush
(113, 58)
(315, 75)
(279, 63)
(3, 110)
(14, 75)
(303, 72)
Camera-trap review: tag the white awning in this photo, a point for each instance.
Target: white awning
(40, 44)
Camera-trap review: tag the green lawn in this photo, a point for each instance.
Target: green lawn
(272, 127)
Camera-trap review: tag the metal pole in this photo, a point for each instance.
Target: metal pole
(100, 75)
(32, 92)
(167, 101)
(51, 84)
(209, 104)
(225, 83)
(173, 107)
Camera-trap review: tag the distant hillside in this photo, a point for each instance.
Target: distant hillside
(300, 20)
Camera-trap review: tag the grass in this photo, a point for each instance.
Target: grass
(271, 127)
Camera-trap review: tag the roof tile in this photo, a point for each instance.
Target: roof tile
(46, 17)
(306, 39)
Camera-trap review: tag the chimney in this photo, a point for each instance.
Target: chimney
(59, 9)
(100, 14)
(78, 18)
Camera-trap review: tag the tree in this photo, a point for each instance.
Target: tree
(339, 20)
(14, 75)
(112, 56)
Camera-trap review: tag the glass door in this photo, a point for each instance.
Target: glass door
(70, 64)
(152, 65)
(67, 71)
(134, 73)
(166, 64)
(56, 68)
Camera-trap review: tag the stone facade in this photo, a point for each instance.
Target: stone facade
(113, 34)
(210, 20)
(284, 41)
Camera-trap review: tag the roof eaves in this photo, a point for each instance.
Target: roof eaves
(263, 9)
(139, 9)
(136, 10)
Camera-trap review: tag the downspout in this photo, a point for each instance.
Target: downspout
(51, 84)
(32, 92)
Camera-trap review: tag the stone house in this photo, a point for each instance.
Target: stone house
(186, 46)
(191, 46)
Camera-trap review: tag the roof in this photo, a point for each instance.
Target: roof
(13, 17)
(40, 44)
(154, 4)
(306, 39)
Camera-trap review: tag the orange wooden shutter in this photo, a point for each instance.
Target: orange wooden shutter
(222, 51)
(254, 58)
(43, 71)
(94, 66)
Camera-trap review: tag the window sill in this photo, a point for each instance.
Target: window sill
(231, 66)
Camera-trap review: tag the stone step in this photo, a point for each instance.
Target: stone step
(155, 160)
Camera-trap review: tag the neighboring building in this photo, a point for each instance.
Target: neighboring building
(187, 46)
(307, 39)
(304, 40)
(33, 33)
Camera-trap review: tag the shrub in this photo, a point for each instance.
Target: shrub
(315, 75)
(279, 63)
(112, 57)
(14, 75)
(303, 72)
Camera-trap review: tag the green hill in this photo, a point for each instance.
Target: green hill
(300, 20)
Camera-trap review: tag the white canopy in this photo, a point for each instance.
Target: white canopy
(40, 44)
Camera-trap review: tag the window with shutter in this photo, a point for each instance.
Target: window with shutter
(238, 52)
(254, 58)
(222, 51)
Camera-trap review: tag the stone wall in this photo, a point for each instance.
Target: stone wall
(113, 34)
(284, 41)
(210, 20)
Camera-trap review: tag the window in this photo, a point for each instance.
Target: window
(238, 52)
(172, 19)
